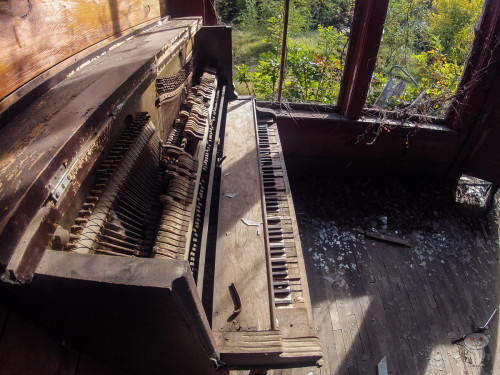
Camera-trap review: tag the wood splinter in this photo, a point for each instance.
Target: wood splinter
(386, 238)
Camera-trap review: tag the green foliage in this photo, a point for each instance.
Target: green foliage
(438, 82)
(312, 74)
(337, 13)
(332, 43)
(431, 38)
(265, 79)
(332, 47)
(257, 13)
(262, 82)
(452, 23)
(247, 47)
(243, 76)
(439, 77)
(251, 17)
(302, 74)
(229, 9)
(404, 30)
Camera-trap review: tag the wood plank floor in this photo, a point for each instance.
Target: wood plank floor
(373, 299)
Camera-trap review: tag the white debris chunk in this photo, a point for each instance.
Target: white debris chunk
(251, 222)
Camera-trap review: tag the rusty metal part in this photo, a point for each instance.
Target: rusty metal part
(61, 238)
(96, 221)
(237, 302)
(168, 88)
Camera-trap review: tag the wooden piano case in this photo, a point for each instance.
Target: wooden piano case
(70, 262)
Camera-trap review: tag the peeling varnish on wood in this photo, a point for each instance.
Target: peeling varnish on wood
(18, 147)
(37, 34)
(38, 141)
(20, 8)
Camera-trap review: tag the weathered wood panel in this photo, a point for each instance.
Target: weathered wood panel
(241, 249)
(364, 41)
(319, 144)
(485, 161)
(474, 112)
(37, 35)
(78, 107)
(26, 349)
(190, 8)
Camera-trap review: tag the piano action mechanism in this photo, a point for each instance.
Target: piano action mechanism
(153, 208)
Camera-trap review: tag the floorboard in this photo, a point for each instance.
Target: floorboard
(379, 299)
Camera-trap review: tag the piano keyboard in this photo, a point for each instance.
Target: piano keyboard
(280, 217)
(261, 314)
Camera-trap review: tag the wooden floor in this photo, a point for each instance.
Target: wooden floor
(373, 299)
(370, 299)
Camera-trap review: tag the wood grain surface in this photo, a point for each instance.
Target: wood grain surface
(241, 251)
(59, 124)
(37, 35)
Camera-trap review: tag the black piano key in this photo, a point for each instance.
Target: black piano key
(274, 227)
(271, 168)
(279, 263)
(273, 220)
(274, 208)
(272, 198)
(281, 291)
(275, 233)
(276, 238)
(281, 283)
(283, 301)
(281, 273)
(278, 252)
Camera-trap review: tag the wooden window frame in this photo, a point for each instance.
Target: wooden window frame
(480, 83)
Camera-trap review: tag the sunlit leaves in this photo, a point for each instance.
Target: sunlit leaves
(452, 22)
(312, 74)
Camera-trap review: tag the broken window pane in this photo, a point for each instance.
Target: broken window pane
(317, 41)
(422, 55)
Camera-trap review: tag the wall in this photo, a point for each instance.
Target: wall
(320, 144)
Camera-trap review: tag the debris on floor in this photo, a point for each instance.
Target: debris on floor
(408, 302)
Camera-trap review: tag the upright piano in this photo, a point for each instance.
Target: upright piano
(147, 216)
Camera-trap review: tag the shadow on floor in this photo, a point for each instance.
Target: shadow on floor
(373, 299)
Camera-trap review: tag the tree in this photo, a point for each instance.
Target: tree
(451, 22)
(337, 13)
(312, 74)
(404, 30)
(256, 13)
